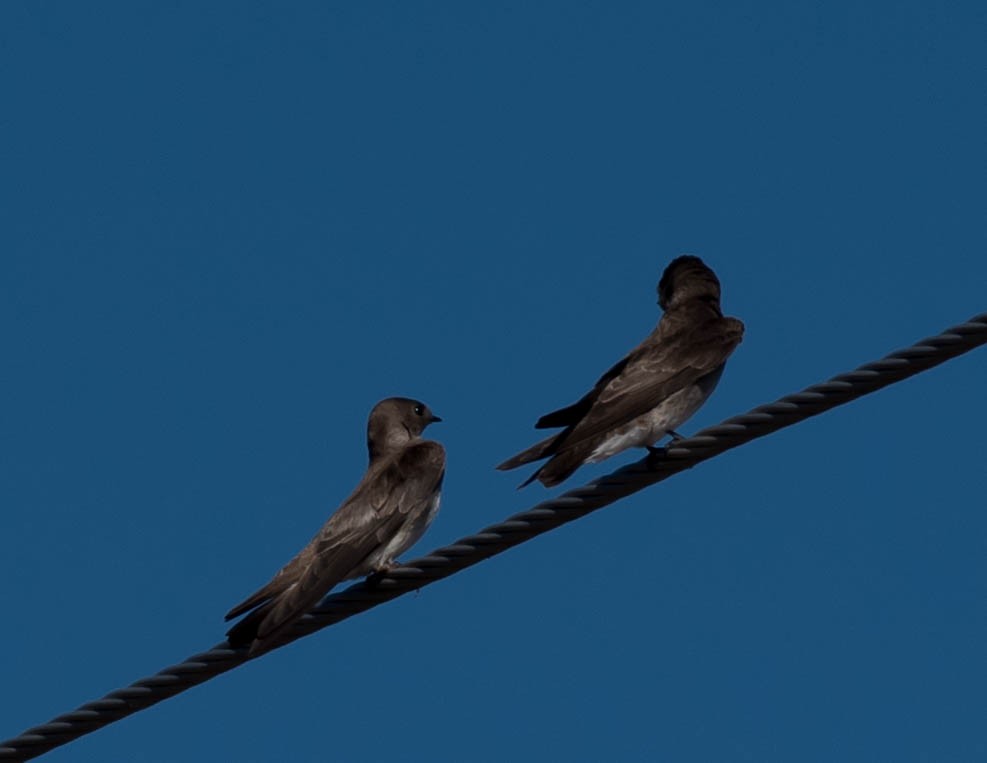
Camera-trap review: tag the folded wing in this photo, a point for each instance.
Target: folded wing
(372, 516)
(652, 376)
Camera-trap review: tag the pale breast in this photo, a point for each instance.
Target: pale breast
(406, 537)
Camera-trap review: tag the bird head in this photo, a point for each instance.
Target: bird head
(396, 421)
(686, 278)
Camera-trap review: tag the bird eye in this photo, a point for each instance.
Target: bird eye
(419, 410)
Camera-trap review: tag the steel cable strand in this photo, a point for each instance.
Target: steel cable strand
(680, 455)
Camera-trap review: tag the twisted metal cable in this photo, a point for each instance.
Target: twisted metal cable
(679, 456)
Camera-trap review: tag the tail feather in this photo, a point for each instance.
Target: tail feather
(539, 450)
(258, 607)
(560, 467)
(244, 632)
(256, 599)
(535, 475)
(257, 631)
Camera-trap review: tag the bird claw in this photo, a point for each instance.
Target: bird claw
(656, 451)
(655, 454)
(381, 571)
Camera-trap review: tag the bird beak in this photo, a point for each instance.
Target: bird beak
(435, 419)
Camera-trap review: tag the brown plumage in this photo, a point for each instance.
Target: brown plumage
(651, 391)
(385, 515)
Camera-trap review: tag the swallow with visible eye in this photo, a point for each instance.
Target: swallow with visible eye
(386, 514)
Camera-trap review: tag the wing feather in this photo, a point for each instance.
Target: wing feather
(653, 376)
(372, 515)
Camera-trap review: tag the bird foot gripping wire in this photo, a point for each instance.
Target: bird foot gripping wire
(656, 452)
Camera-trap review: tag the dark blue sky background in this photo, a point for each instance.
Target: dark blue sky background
(228, 229)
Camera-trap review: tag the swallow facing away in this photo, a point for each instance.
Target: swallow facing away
(659, 385)
(389, 510)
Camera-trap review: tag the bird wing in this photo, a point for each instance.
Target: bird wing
(367, 520)
(655, 370)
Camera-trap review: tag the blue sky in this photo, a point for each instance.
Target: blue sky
(228, 229)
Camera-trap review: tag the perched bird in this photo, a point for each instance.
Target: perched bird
(389, 510)
(660, 384)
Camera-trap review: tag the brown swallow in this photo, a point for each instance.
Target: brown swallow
(389, 510)
(654, 389)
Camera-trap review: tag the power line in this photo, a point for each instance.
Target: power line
(441, 563)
